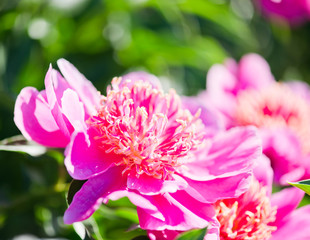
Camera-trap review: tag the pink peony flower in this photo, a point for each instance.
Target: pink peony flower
(257, 214)
(140, 143)
(292, 11)
(247, 94)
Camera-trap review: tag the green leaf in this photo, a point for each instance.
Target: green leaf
(75, 186)
(141, 237)
(196, 234)
(303, 185)
(20, 144)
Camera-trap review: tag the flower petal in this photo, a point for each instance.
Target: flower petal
(263, 172)
(181, 212)
(286, 202)
(55, 86)
(73, 109)
(209, 116)
(296, 226)
(149, 185)
(300, 88)
(283, 149)
(84, 88)
(220, 188)
(92, 193)
(231, 153)
(254, 72)
(33, 117)
(141, 76)
(84, 158)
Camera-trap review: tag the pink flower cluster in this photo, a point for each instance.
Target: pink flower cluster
(185, 162)
(247, 94)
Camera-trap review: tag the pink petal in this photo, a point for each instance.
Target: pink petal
(283, 149)
(84, 88)
(263, 172)
(33, 117)
(164, 234)
(138, 200)
(141, 76)
(149, 185)
(212, 234)
(73, 109)
(84, 158)
(220, 188)
(296, 226)
(254, 72)
(55, 86)
(286, 202)
(208, 114)
(92, 193)
(231, 153)
(221, 85)
(301, 89)
(220, 80)
(181, 212)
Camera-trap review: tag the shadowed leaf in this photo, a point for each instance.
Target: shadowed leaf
(75, 186)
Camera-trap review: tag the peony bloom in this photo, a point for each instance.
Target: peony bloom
(257, 214)
(247, 94)
(291, 11)
(141, 143)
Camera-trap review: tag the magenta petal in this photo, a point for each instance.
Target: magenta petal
(231, 153)
(149, 185)
(164, 234)
(33, 117)
(138, 200)
(181, 212)
(254, 72)
(220, 188)
(85, 159)
(84, 88)
(296, 226)
(92, 193)
(286, 202)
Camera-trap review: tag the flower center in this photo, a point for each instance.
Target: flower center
(148, 128)
(276, 106)
(249, 216)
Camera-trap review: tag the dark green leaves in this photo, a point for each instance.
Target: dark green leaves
(75, 186)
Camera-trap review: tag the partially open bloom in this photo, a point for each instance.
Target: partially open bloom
(258, 215)
(141, 143)
(291, 11)
(247, 94)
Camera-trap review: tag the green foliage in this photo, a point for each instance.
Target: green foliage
(196, 234)
(303, 185)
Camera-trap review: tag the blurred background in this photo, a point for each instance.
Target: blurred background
(175, 40)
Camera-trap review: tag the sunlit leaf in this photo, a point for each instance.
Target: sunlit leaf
(303, 185)
(20, 144)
